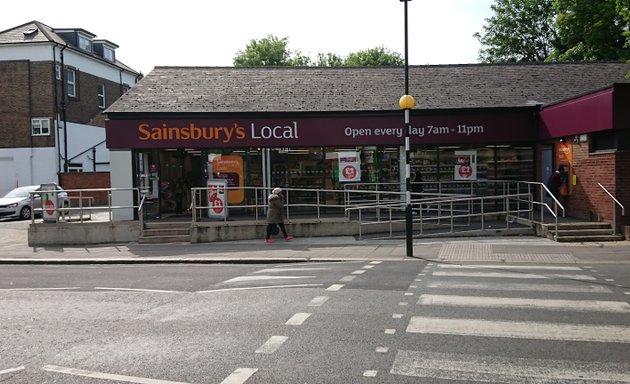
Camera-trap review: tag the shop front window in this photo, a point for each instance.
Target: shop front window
(473, 163)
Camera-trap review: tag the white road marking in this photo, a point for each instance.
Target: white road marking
(346, 279)
(262, 287)
(239, 376)
(375, 262)
(403, 303)
(134, 290)
(413, 286)
(318, 301)
(408, 293)
(40, 289)
(390, 331)
(382, 349)
(367, 266)
(509, 302)
(335, 287)
(370, 373)
(272, 344)
(520, 287)
(11, 370)
(280, 269)
(397, 316)
(358, 272)
(264, 277)
(497, 369)
(609, 279)
(520, 330)
(509, 267)
(507, 275)
(298, 319)
(106, 376)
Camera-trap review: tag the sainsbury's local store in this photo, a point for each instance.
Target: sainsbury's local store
(301, 127)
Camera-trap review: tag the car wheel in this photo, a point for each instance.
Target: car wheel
(25, 213)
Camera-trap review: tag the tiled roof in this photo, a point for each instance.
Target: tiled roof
(316, 89)
(17, 35)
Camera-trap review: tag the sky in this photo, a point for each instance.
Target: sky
(211, 32)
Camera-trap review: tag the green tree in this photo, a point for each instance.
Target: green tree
(591, 30)
(378, 56)
(273, 51)
(520, 30)
(329, 60)
(270, 51)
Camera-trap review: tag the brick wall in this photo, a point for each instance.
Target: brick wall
(622, 191)
(588, 200)
(86, 180)
(84, 108)
(26, 92)
(14, 104)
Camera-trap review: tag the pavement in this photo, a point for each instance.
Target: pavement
(14, 249)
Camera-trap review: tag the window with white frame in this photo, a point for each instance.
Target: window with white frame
(101, 96)
(71, 82)
(108, 54)
(40, 126)
(85, 43)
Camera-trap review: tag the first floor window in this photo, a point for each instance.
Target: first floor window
(101, 96)
(40, 126)
(71, 83)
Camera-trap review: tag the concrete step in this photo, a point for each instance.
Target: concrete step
(581, 225)
(586, 232)
(583, 232)
(165, 232)
(588, 238)
(164, 239)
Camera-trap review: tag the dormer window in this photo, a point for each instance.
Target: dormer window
(105, 49)
(108, 54)
(85, 43)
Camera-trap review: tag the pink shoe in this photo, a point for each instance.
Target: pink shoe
(269, 241)
(288, 238)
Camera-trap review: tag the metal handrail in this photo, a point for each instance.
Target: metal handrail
(450, 217)
(141, 211)
(614, 208)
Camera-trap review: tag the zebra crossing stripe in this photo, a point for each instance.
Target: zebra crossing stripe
(272, 344)
(519, 330)
(510, 302)
(510, 275)
(577, 288)
(495, 369)
(239, 376)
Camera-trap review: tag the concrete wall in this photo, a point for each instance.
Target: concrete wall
(46, 234)
(122, 177)
(228, 231)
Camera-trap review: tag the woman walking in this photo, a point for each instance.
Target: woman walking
(275, 215)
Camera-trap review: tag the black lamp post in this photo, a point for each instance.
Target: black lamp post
(406, 103)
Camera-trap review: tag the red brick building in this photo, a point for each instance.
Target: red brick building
(54, 85)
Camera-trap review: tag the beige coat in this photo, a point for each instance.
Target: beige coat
(275, 212)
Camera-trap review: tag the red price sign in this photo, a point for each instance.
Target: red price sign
(465, 171)
(50, 207)
(349, 172)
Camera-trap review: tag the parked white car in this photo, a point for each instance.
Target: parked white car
(19, 204)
